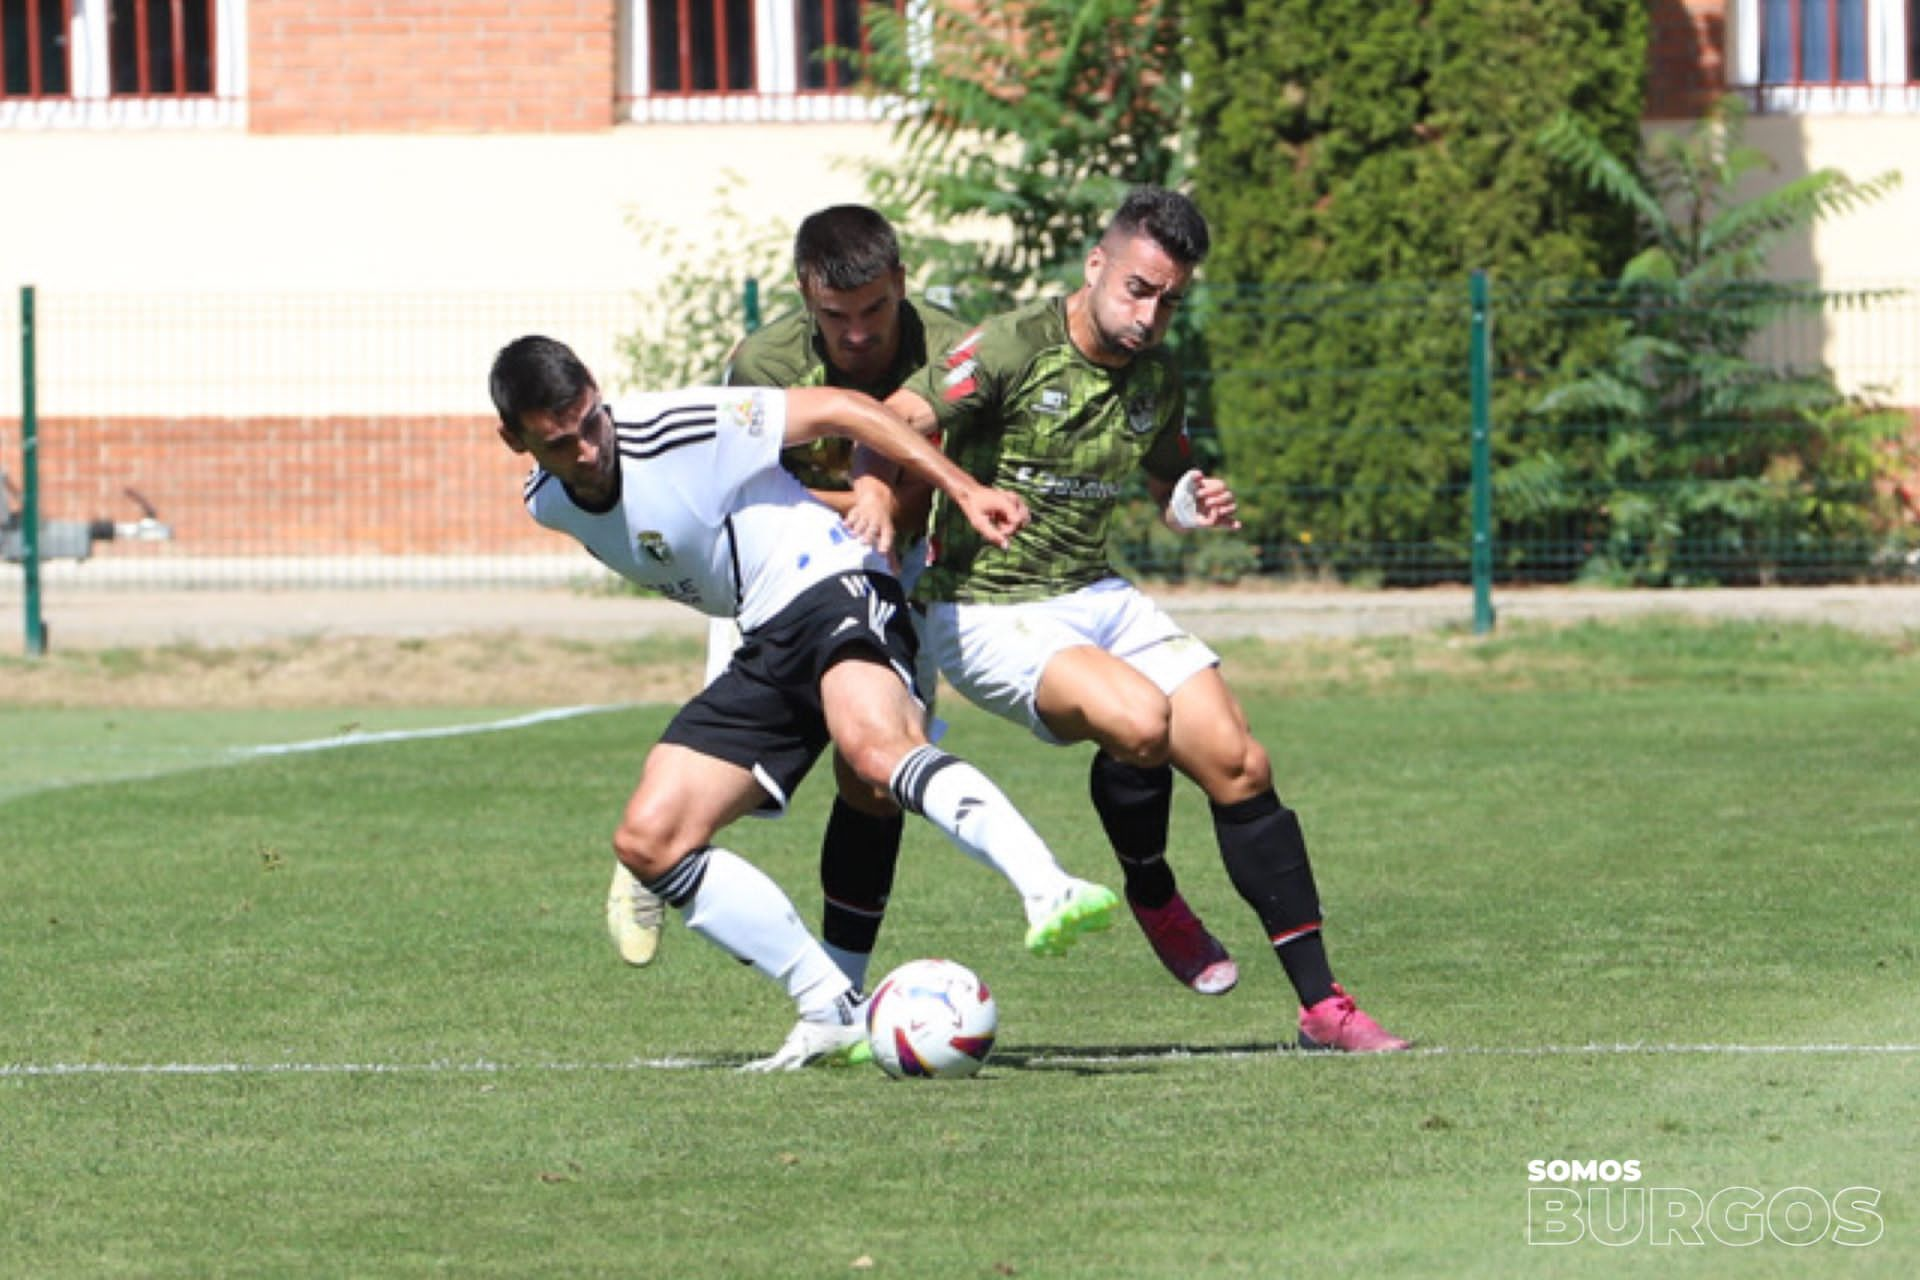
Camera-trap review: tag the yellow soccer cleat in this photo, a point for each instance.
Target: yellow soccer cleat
(634, 917)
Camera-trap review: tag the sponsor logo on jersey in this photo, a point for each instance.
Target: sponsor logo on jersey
(747, 413)
(1047, 485)
(653, 544)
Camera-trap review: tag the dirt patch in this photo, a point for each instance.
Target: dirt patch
(483, 670)
(549, 648)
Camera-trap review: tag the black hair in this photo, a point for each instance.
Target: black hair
(1170, 219)
(535, 373)
(845, 246)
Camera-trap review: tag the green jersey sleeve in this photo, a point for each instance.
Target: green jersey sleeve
(778, 354)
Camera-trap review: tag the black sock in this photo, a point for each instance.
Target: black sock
(1135, 806)
(858, 855)
(1266, 857)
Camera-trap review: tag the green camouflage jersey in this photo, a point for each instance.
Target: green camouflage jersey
(1021, 409)
(787, 353)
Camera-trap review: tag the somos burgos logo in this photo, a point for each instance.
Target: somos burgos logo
(1602, 1202)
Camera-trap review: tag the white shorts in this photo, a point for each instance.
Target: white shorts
(995, 654)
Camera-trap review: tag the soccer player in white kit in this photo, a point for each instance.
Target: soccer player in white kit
(683, 493)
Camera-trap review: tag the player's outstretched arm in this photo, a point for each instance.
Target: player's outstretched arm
(813, 412)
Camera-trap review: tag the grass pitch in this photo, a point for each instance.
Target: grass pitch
(1640, 893)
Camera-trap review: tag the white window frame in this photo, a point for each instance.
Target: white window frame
(776, 58)
(92, 105)
(1888, 91)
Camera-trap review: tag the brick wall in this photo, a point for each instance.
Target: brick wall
(1686, 63)
(324, 486)
(342, 66)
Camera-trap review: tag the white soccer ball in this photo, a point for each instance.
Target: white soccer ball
(931, 1019)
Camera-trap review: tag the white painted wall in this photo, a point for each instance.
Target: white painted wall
(219, 210)
(128, 235)
(1875, 349)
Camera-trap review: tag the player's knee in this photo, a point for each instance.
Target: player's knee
(649, 840)
(873, 764)
(876, 801)
(1140, 734)
(1240, 772)
(872, 799)
(873, 749)
(1255, 771)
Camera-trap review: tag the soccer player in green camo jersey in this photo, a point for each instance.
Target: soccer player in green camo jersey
(1058, 401)
(857, 329)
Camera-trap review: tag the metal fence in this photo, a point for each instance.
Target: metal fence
(274, 440)
(1400, 431)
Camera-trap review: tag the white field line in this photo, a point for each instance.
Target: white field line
(240, 755)
(28, 1070)
(444, 731)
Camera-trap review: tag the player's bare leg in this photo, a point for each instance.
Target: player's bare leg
(1266, 857)
(879, 728)
(1087, 693)
(665, 838)
(635, 916)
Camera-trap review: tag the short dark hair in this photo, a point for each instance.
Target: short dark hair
(845, 246)
(1170, 219)
(535, 373)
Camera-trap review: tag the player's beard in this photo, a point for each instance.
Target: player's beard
(1112, 342)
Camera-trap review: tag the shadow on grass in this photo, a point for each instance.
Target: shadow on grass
(1120, 1059)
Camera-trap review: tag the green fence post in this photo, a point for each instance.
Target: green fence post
(30, 482)
(750, 303)
(1479, 361)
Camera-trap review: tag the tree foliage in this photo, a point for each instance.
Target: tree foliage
(1020, 125)
(1357, 161)
(1682, 447)
(697, 313)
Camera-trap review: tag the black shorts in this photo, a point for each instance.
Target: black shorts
(763, 712)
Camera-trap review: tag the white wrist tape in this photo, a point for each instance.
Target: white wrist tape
(1183, 507)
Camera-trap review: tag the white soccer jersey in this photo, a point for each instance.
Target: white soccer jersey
(706, 514)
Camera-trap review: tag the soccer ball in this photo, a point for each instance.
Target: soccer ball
(931, 1019)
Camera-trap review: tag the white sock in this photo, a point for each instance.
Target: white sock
(743, 912)
(970, 811)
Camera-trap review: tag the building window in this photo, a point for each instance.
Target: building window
(833, 24)
(747, 60)
(34, 33)
(161, 48)
(123, 62)
(1827, 56)
(1913, 42)
(700, 46)
(1813, 42)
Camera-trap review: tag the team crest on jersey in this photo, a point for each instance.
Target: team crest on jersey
(651, 542)
(747, 413)
(1140, 411)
